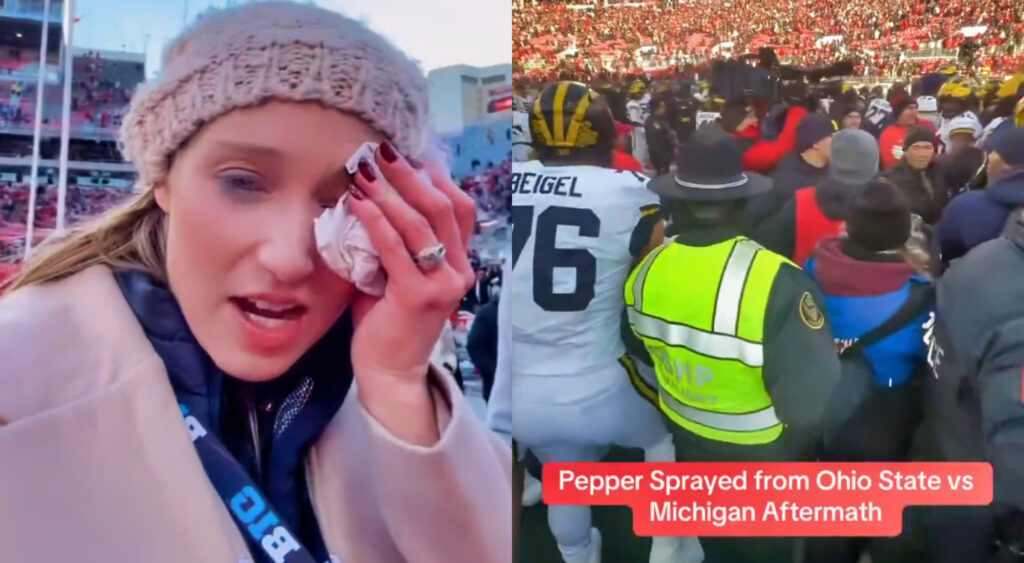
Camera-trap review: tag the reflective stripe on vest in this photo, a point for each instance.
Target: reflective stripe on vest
(763, 419)
(706, 336)
(638, 289)
(727, 310)
(721, 346)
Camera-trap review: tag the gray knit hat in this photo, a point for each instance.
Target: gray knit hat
(854, 157)
(244, 56)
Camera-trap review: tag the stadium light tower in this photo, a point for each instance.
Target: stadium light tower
(65, 122)
(33, 182)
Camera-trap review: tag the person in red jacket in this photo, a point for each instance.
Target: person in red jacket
(818, 212)
(890, 142)
(761, 156)
(621, 159)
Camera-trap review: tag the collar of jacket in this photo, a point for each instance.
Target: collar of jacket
(706, 235)
(931, 170)
(191, 369)
(195, 378)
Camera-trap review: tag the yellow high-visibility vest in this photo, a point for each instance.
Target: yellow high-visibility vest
(700, 312)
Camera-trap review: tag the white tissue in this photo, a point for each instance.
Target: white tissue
(345, 246)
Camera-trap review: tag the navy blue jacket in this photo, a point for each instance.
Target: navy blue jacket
(975, 217)
(973, 403)
(291, 411)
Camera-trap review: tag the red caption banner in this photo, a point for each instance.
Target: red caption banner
(768, 499)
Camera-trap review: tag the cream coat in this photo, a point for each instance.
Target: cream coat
(96, 464)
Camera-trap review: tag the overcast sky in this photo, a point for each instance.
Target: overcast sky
(436, 32)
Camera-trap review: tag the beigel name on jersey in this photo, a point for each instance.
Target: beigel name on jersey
(571, 233)
(533, 183)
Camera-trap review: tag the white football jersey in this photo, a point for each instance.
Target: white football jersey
(638, 112)
(946, 125)
(571, 231)
(520, 136)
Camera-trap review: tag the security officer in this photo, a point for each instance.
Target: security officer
(744, 357)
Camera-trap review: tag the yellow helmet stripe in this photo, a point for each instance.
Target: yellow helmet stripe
(539, 122)
(577, 118)
(558, 104)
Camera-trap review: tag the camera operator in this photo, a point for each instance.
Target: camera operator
(767, 136)
(740, 119)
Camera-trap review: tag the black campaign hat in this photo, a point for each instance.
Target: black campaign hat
(709, 167)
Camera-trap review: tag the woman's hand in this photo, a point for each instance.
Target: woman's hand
(405, 213)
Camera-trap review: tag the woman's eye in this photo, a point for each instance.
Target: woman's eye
(239, 182)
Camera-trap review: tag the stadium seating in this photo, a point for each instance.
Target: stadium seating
(487, 143)
(884, 37)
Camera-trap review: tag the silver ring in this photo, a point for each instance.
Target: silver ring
(430, 258)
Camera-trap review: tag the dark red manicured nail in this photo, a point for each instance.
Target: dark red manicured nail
(356, 192)
(367, 171)
(388, 152)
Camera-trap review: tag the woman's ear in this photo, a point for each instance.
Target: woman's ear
(162, 196)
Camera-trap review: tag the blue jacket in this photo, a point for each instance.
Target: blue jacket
(975, 217)
(860, 295)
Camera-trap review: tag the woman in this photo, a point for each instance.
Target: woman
(185, 379)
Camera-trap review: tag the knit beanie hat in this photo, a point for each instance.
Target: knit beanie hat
(900, 102)
(244, 56)
(1010, 146)
(879, 218)
(811, 129)
(854, 159)
(917, 135)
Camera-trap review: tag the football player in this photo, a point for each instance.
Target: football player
(578, 226)
(638, 109)
(955, 100)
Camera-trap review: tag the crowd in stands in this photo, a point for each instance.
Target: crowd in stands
(82, 202)
(96, 102)
(881, 36)
(491, 188)
(477, 145)
(99, 102)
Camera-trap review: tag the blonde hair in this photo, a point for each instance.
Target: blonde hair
(128, 236)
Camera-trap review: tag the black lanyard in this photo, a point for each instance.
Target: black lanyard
(250, 508)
